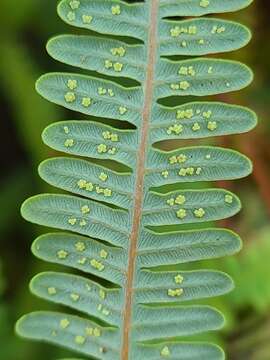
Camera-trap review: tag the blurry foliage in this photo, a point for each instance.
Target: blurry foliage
(26, 26)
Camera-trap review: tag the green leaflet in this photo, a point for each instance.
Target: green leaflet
(205, 77)
(79, 252)
(92, 53)
(199, 120)
(198, 8)
(89, 180)
(108, 16)
(174, 40)
(92, 96)
(122, 229)
(92, 140)
(105, 304)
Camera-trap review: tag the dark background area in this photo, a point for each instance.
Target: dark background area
(25, 27)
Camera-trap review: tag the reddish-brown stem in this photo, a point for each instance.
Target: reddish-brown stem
(141, 157)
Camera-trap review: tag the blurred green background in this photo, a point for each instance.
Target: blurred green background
(26, 26)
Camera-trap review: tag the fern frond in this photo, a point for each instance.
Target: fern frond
(123, 226)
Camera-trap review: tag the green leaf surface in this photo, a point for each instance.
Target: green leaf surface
(122, 231)
(108, 17)
(198, 8)
(99, 54)
(201, 36)
(200, 119)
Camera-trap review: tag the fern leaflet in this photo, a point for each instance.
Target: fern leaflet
(128, 225)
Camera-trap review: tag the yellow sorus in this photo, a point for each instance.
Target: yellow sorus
(87, 19)
(80, 340)
(110, 92)
(174, 86)
(74, 4)
(190, 171)
(178, 279)
(66, 129)
(82, 183)
(183, 70)
(122, 110)
(103, 254)
(176, 31)
(102, 294)
(82, 261)
(221, 29)
(228, 199)
(114, 137)
(218, 30)
(174, 293)
(118, 67)
(74, 297)
(62, 254)
(181, 158)
(97, 265)
(184, 43)
(89, 186)
(72, 84)
(191, 71)
(182, 114)
(102, 148)
(80, 246)
(201, 41)
(186, 171)
(97, 332)
(196, 126)
(103, 176)
(184, 85)
(180, 199)
(204, 3)
(69, 143)
(72, 221)
(170, 201)
(112, 151)
(165, 174)
(52, 290)
(107, 192)
(106, 135)
(71, 16)
(70, 97)
(173, 160)
(105, 312)
(116, 10)
(85, 209)
(207, 114)
(86, 101)
(64, 323)
(212, 125)
(102, 91)
(118, 51)
(192, 30)
(181, 213)
(89, 331)
(165, 352)
(198, 171)
(199, 213)
(108, 64)
(88, 287)
(176, 128)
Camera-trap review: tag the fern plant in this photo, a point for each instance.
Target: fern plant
(126, 228)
